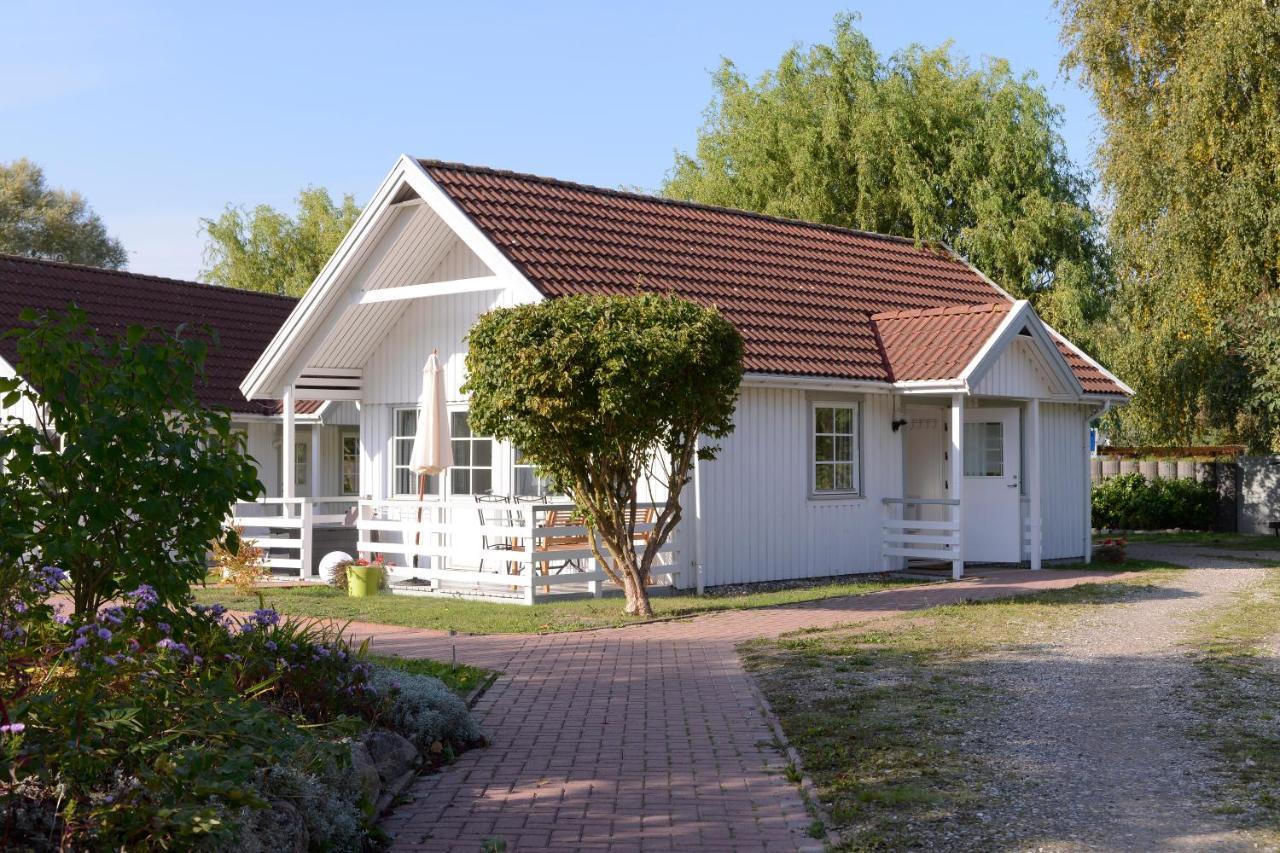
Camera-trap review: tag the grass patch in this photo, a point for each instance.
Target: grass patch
(482, 617)
(1126, 566)
(1232, 541)
(458, 677)
(1239, 693)
(879, 713)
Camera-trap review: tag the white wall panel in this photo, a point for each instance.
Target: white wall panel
(759, 520)
(1064, 464)
(1019, 372)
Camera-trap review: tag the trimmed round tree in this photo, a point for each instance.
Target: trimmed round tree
(605, 395)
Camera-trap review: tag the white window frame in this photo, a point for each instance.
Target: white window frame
(396, 439)
(345, 435)
(516, 467)
(470, 467)
(443, 483)
(855, 407)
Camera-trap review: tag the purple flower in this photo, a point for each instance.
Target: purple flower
(12, 728)
(197, 660)
(266, 616)
(247, 628)
(80, 643)
(20, 606)
(144, 596)
(164, 627)
(104, 634)
(61, 619)
(217, 610)
(271, 646)
(167, 643)
(110, 660)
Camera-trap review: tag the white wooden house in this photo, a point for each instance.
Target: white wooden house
(896, 404)
(324, 464)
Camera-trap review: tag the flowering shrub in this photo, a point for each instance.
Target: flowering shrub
(150, 727)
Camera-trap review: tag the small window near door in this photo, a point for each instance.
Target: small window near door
(300, 465)
(835, 449)
(984, 449)
(349, 464)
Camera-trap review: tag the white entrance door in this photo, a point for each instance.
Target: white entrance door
(992, 523)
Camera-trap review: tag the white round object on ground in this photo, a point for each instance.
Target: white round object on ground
(328, 561)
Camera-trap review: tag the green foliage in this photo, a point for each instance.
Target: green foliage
(40, 221)
(1189, 97)
(127, 477)
(1132, 502)
(593, 388)
(273, 252)
(922, 145)
(148, 728)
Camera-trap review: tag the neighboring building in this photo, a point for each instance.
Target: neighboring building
(326, 448)
(896, 403)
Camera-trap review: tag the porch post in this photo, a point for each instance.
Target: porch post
(287, 442)
(313, 471)
(1033, 488)
(956, 453)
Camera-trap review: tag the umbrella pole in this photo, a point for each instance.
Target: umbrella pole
(417, 532)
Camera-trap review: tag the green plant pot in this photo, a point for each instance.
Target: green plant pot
(363, 581)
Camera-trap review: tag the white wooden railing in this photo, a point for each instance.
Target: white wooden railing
(284, 528)
(921, 539)
(504, 550)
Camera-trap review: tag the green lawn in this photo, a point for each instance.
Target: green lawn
(879, 712)
(1239, 690)
(1237, 541)
(458, 677)
(482, 617)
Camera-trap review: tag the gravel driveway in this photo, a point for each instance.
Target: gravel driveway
(1095, 724)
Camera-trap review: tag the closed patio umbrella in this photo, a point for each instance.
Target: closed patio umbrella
(432, 444)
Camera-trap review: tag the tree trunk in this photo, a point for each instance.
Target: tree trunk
(637, 595)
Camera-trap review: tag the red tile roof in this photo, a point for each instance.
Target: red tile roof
(936, 343)
(244, 321)
(801, 294)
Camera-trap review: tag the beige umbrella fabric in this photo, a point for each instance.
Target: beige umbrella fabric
(432, 444)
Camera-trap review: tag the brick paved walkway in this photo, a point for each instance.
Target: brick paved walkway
(639, 738)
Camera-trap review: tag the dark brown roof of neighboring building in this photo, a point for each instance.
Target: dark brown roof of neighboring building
(243, 321)
(936, 343)
(801, 294)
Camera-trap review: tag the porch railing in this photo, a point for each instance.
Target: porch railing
(284, 528)
(506, 550)
(921, 538)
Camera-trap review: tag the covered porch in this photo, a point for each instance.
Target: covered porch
(973, 484)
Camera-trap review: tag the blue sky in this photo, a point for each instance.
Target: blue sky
(161, 113)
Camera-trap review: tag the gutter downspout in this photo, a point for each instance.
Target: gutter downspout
(697, 515)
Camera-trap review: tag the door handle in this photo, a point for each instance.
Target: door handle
(1012, 486)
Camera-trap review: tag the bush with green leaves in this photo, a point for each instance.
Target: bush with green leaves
(126, 477)
(604, 393)
(144, 727)
(1132, 502)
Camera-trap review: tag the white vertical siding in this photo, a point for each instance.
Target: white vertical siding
(263, 441)
(1064, 464)
(393, 373)
(1019, 372)
(759, 522)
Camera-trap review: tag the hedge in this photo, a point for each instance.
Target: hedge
(1132, 502)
